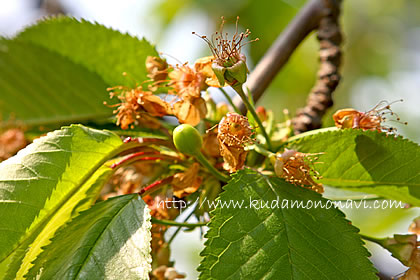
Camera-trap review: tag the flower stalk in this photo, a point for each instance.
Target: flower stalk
(154, 186)
(203, 161)
(238, 88)
(229, 99)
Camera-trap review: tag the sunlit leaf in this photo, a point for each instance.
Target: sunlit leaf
(265, 241)
(109, 241)
(365, 161)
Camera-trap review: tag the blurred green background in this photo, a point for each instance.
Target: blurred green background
(381, 62)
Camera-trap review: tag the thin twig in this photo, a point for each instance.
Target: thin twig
(286, 43)
(320, 97)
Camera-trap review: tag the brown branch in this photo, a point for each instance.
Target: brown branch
(320, 97)
(307, 20)
(51, 7)
(280, 51)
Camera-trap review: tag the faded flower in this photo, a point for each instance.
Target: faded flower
(370, 120)
(406, 249)
(204, 67)
(190, 110)
(135, 104)
(186, 82)
(229, 64)
(187, 182)
(297, 168)
(156, 68)
(234, 133)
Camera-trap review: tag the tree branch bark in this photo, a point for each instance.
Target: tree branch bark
(320, 97)
(307, 20)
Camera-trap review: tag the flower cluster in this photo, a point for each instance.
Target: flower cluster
(196, 164)
(142, 104)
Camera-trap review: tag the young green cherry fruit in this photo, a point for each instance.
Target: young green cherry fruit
(187, 140)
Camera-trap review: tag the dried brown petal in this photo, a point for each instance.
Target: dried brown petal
(204, 67)
(137, 103)
(234, 133)
(156, 68)
(211, 144)
(153, 104)
(187, 182)
(190, 111)
(186, 82)
(233, 156)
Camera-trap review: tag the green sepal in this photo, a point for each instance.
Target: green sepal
(219, 71)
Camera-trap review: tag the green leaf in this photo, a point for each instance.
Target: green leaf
(109, 241)
(365, 161)
(104, 51)
(275, 242)
(57, 71)
(47, 183)
(39, 87)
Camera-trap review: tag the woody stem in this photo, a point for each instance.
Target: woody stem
(202, 159)
(238, 88)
